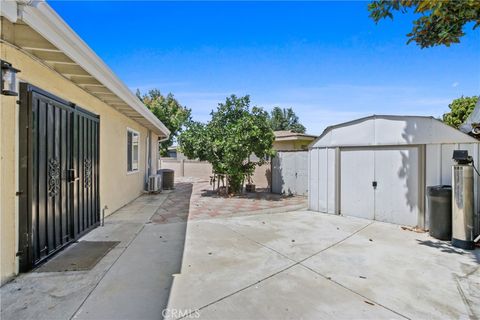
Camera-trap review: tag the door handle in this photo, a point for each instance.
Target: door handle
(71, 175)
(374, 184)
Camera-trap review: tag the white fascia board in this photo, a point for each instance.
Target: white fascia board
(295, 138)
(8, 9)
(44, 20)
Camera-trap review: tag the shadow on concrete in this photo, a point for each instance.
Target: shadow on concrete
(176, 206)
(174, 210)
(448, 248)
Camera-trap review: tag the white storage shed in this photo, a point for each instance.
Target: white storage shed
(378, 167)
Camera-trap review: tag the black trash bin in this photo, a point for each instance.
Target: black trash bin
(168, 177)
(440, 211)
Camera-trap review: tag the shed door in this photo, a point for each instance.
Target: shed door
(396, 195)
(58, 172)
(380, 184)
(356, 193)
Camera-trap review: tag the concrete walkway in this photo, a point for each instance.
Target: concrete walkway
(131, 282)
(306, 265)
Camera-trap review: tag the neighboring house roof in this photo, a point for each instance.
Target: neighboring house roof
(42, 33)
(388, 130)
(285, 135)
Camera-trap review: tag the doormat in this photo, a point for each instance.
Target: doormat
(82, 256)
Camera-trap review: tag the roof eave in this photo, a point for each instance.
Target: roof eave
(44, 20)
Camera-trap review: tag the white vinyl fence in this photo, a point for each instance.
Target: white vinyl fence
(290, 173)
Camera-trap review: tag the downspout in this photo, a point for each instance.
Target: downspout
(148, 163)
(158, 146)
(148, 159)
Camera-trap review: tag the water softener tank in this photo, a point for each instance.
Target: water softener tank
(462, 206)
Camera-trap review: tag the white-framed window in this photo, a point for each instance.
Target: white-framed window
(133, 145)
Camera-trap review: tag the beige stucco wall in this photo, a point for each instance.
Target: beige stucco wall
(7, 187)
(176, 166)
(262, 176)
(194, 168)
(117, 188)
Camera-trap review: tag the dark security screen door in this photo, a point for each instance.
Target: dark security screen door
(59, 160)
(85, 165)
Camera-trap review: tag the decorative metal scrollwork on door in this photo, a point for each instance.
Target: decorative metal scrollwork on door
(87, 167)
(53, 177)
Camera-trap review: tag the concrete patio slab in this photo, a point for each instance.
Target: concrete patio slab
(340, 268)
(296, 293)
(296, 235)
(409, 272)
(218, 262)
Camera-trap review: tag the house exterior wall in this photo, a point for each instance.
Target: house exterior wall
(117, 187)
(8, 169)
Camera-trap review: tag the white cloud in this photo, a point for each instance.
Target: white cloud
(322, 106)
(455, 84)
(319, 107)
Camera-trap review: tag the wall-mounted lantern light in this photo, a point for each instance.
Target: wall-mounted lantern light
(9, 79)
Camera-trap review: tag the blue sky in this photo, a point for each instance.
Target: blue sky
(327, 60)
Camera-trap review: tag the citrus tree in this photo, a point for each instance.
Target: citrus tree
(235, 132)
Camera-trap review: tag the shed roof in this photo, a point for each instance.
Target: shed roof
(387, 130)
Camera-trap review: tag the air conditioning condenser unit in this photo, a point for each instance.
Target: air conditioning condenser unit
(155, 183)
